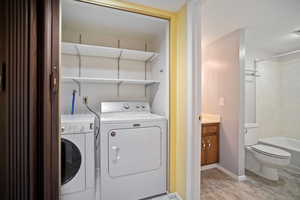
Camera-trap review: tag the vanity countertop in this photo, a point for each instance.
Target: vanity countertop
(210, 118)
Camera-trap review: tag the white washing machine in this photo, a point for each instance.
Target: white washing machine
(77, 157)
(133, 157)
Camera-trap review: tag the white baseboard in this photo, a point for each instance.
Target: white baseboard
(229, 173)
(234, 176)
(242, 178)
(170, 196)
(206, 167)
(174, 196)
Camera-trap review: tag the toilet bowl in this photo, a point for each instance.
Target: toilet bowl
(263, 160)
(266, 160)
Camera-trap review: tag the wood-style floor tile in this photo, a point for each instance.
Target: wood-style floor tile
(216, 185)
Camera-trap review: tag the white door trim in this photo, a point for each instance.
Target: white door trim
(194, 99)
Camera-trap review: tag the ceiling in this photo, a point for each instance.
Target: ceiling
(170, 5)
(106, 20)
(269, 23)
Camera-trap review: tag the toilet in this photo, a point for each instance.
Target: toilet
(262, 159)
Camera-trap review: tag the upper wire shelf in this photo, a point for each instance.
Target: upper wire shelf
(109, 52)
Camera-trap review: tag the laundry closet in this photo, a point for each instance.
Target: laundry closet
(113, 61)
(113, 55)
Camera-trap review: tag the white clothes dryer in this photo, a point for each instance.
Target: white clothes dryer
(77, 157)
(133, 151)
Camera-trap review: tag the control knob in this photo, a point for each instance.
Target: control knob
(126, 106)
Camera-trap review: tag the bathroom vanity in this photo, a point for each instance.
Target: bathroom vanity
(210, 143)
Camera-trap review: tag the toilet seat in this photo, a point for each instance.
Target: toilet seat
(271, 151)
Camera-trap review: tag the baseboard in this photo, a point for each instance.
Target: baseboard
(212, 166)
(232, 175)
(242, 178)
(170, 196)
(174, 196)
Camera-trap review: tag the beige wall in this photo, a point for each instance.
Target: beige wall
(223, 94)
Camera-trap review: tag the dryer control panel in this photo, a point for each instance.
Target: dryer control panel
(111, 107)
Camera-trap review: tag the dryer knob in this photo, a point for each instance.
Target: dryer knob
(113, 134)
(126, 106)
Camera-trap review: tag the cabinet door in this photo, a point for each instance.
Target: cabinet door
(203, 151)
(212, 149)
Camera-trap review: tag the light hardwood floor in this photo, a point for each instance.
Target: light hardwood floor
(215, 185)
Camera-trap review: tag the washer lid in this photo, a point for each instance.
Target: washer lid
(271, 151)
(77, 118)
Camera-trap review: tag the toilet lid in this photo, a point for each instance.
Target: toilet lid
(271, 151)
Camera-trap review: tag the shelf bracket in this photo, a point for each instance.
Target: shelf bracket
(79, 61)
(79, 65)
(118, 91)
(119, 59)
(151, 58)
(79, 56)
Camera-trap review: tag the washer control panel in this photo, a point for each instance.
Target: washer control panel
(110, 107)
(71, 124)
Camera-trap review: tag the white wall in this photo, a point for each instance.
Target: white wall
(223, 94)
(159, 70)
(290, 96)
(268, 99)
(278, 97)
(107, 68)
(250, 82)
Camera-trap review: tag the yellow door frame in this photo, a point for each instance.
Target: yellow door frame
(174, 54)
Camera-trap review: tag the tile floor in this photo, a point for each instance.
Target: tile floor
(171, 196)
(215, 185)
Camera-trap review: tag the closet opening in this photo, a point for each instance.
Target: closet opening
(114, 103)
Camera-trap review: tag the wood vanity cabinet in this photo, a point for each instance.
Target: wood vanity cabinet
(210, 144)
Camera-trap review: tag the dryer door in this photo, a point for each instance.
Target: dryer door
(133, 151)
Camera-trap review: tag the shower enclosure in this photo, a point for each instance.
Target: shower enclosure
(277, 85)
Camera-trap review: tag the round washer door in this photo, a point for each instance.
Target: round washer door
(70, 160)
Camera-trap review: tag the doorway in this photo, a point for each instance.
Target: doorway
(107, 62)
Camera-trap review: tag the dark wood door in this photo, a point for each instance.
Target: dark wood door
(18, 100)
(4, 106)
(28, 103)
(212, 152)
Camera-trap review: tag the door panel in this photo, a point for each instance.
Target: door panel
(29, 113)
(18, 101)
(133, 151)
(212, 149)
(4, 105)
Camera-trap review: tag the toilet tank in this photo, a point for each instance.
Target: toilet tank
(251, 134)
